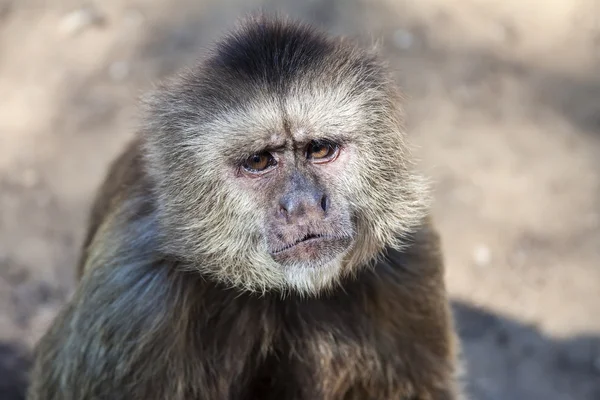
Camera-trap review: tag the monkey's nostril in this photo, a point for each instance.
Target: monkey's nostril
(324, 203)
(282, 210)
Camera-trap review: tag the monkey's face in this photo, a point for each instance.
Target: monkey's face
(288, 194)
(307, 223)
(280, 162)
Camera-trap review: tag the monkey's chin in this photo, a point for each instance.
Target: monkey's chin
(311, 267)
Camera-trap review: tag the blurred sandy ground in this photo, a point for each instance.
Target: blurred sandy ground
(503, 107)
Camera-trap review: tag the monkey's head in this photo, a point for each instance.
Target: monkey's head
(279, 161)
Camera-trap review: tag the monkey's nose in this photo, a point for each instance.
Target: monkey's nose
(304, 205)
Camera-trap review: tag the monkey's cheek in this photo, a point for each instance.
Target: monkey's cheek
(312, 253)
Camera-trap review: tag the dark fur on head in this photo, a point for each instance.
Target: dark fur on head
(272, 77)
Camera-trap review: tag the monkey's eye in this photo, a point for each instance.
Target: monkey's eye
(259, 162)
(322, 152)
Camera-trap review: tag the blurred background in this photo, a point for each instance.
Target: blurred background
(503, 108)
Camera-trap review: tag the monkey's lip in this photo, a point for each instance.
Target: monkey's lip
(306, 239)
(312, 248)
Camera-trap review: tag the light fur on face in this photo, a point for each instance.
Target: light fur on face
(198, 122)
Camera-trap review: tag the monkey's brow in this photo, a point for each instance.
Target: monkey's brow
(242, 147)
(240, 151)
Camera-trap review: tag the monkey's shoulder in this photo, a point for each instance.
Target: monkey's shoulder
(125, 179)
(419, 258)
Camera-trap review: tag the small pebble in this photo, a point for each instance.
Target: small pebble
(482, 256)
(403, 39)
(134, 18)
(78, 20)
(118, 70)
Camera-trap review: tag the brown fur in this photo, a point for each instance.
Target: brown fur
(149, 321)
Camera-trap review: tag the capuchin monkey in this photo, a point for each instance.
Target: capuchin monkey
(264, 237)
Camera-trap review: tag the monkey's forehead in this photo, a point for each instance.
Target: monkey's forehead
(266, 123)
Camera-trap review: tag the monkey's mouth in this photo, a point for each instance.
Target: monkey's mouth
(305, 239)
(314, 248)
